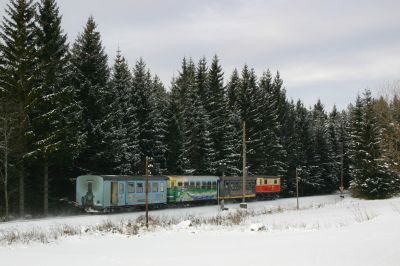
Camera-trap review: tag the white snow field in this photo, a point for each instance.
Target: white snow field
(327, 230)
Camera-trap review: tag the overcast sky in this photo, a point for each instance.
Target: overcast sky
(324, 49)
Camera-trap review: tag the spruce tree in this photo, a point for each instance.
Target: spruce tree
(19, 72)
(48, 125)
(122, 132)
(372, 174)
(198, 145)
(159, 120)
(233, 91)
(323, 178)
(222, 131)
(247, 99)
(141, 99)
(271, 150)
(178, 118)
(303, 149)
(90, 81)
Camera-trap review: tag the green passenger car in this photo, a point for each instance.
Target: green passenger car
(192, 188)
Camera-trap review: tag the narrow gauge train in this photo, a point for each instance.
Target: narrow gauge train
(109, 192)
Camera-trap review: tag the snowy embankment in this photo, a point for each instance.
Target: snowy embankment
(327, 230)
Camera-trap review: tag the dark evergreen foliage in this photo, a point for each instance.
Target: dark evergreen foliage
(70, 114)
(90, 81)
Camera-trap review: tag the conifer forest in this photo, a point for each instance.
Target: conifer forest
(65, 110)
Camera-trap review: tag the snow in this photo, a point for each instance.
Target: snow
(327, 230)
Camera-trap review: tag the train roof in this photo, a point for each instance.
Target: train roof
(130, 177)
(200, 177)
(250, 177)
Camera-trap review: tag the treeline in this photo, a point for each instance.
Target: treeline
(65, 112)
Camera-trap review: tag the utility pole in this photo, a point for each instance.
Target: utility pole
(222, 169)
(244, 163)
(297, 189)
(341, 172)
(147, 191)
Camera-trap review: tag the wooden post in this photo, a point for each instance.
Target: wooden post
(341, 172)
(244, 163)
(297, 189)
(147, 191)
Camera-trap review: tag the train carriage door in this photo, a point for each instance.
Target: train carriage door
(114, 193)
(121, 193)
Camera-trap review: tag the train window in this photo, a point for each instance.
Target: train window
(214, 185)
(186, 184)
(275, 181)
(154, 187)
(191, 185)
(209, 185)
(131, 187)
(89, 186)
(197, 185)
(179, 184)
(265, 181)
(139, 187)
(203, 185)
(162, 187)
(238, 186)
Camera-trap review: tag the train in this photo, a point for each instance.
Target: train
(106, 193)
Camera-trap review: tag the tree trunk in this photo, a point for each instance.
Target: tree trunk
(46, 188)
(21, 195)
(6, 197)
(6, 168)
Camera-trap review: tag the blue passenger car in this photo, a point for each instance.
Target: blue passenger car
(105, 192)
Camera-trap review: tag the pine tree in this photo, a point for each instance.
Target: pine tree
(303, 150)
(198, 145)
(123, 131)
(247, 98)
(140, 99)
(222, 131)
(178, 121)
(174, 135)
(273, 155)
(19, 72)
(372, 174)
(48, 126)
(234, 124)
(323, 178)
(233, 91)
(159, 120)
(90, 81)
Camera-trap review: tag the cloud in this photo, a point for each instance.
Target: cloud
(323, 49)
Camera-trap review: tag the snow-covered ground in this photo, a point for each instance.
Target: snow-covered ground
(327, 230)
